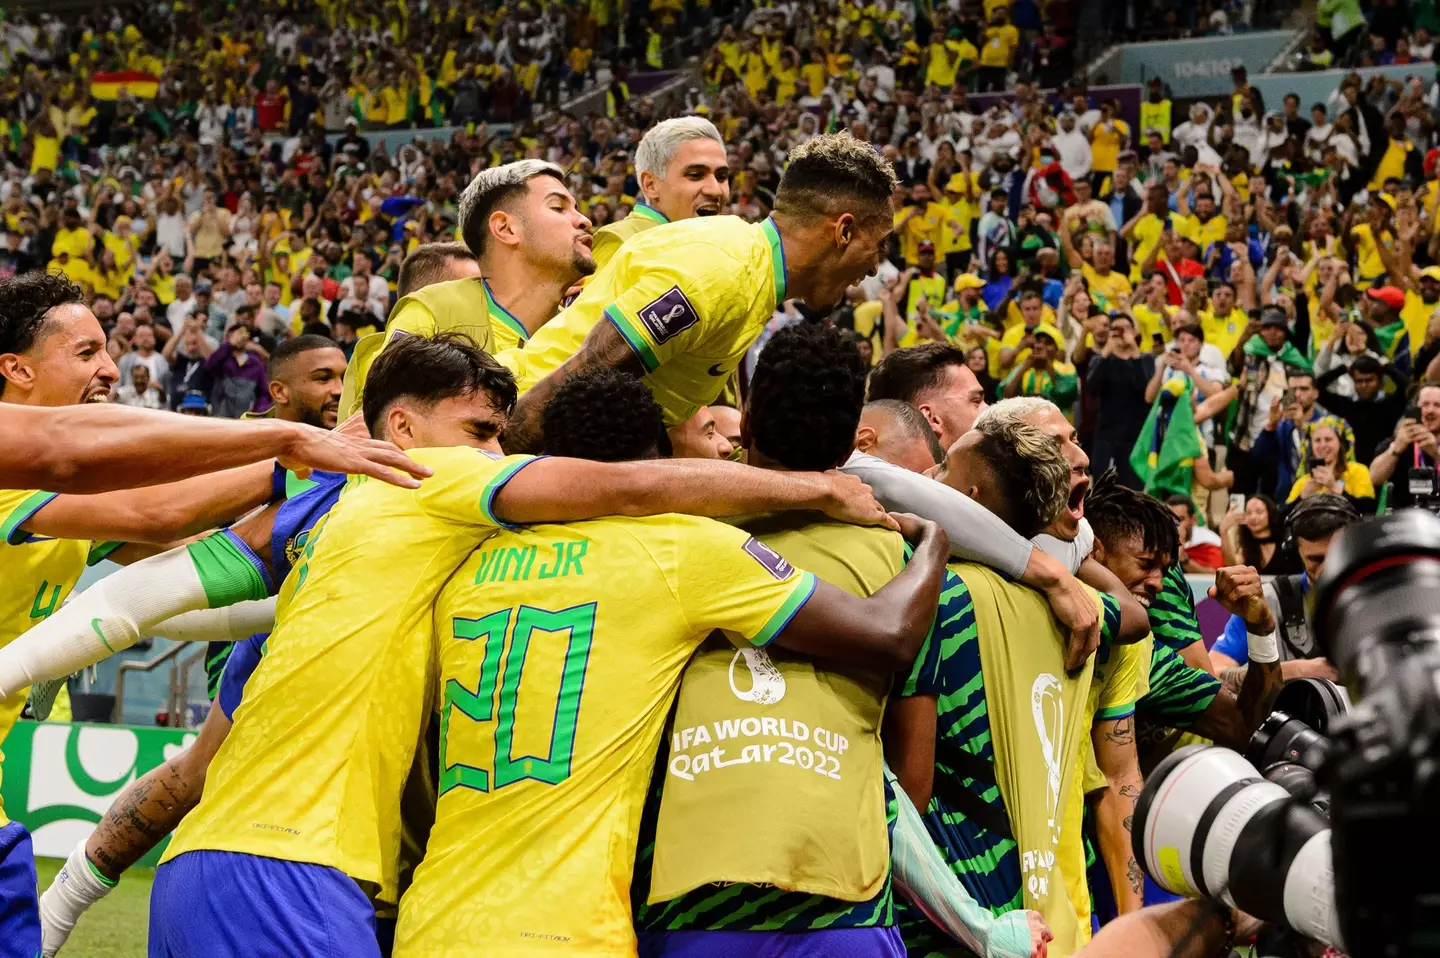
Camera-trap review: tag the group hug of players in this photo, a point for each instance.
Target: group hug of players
(542, 702)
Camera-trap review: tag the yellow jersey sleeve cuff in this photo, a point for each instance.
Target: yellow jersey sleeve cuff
(10, 529)
(804, 588)
(493, 487)
(639, 345)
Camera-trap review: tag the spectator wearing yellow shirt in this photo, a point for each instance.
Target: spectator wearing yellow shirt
(1225, 322)
(1208, 222)
(1108, 287)
(921, 220)
(1107, 138)
(959, 202)
(45, 143)
(944, 60)
(1001, 39)
(72, 237)
(1366, 238)
(1399, 159)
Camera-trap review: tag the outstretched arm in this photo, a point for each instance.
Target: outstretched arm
(98, 447)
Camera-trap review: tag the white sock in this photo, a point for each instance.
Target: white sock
(77, 886)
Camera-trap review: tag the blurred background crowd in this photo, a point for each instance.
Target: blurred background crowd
(1229, 296)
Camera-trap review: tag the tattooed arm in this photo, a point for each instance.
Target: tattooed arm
(153, 805)
(1115, 813)
(604, 348)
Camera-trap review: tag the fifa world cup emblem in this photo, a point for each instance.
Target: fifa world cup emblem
(1049, 710)
(767, 685)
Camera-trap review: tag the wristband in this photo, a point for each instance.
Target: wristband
(1264, 649)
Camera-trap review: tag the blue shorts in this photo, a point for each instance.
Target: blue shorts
(827, 943)
(19, 900)
(227, 905)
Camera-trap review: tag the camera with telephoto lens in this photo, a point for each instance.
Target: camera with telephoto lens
(1337, 839)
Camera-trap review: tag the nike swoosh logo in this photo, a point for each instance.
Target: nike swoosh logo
(715, 370)
(95, 624)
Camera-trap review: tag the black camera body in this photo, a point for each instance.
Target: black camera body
(1377, 617)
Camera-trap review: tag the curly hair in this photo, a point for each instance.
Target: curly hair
(606, 416)
(806, 396)
(834, 173)
(1117, 513)
(26, 301)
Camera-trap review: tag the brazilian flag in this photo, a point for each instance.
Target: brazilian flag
(1165, 452)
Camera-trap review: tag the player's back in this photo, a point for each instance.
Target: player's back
(607, 240)
(688, 297)
(313, 768)
(38, 576)
(560, 652)
(454, 306)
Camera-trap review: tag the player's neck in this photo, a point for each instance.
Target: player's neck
(530, 296)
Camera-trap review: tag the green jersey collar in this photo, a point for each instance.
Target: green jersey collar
(649, 213)
(499, 314)
(777, 258)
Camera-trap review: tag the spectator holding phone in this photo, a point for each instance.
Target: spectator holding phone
(1330, 466)
(1408, 461)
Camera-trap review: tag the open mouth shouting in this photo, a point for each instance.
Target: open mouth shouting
(1079, 486)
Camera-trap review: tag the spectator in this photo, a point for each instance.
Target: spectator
(140, 390)
(1409, 461)
(1118, 382)
(1042, 375)
(184, 300)
(1200, 551)
(236, 371)
(187, 352)
(1253, 536)
(1329, 466)
(1281, 445)
(1372, 413)
(143, 353)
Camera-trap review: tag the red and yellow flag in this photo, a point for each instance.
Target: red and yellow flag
(107, 86)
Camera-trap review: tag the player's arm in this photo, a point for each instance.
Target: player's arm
(604, 348)
(978, 535)
(1238, 589)
(883, 630)
(1115, 754)
(923, 877)
(137, 821)
(1182, 929)
(1134, 620)
(133, 603)
(97, 448)
(554, 489)
(152, 514)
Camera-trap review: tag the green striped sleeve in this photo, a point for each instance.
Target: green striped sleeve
(636, 339)
(100, 551)
(10, 530)
(804, 588)
(493, 487)
(229, 570)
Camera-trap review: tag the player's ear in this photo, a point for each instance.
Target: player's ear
(399, 427)
(1099, 553)
(844, 230)
(865, 438)
(504, 228)
(16, 371)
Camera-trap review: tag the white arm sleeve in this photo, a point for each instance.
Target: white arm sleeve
(231, 623)
(1071, 553)
(924, 878)
(976, 534)
(125, 607)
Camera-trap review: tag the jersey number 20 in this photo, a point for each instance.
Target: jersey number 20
(511, 641)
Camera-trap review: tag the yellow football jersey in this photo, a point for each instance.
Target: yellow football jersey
(39, 574)
(561, 649)
(456, 306)
(607, 239)
(689, 297)
(314, 767)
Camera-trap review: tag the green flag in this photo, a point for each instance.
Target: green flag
(1165, 452)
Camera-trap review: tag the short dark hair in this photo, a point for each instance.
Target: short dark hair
(1180, 499)
(429, 264)
(908, 372)
(604, 415)
(1365, 363)
(25, 302)
(1194, 329)
(1117, 512)
(835, 173)
(490, 190)
(1320, 517)
(290, 348)
(431, 369)
(805, 397)
(1292, 372)
(912, 422)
